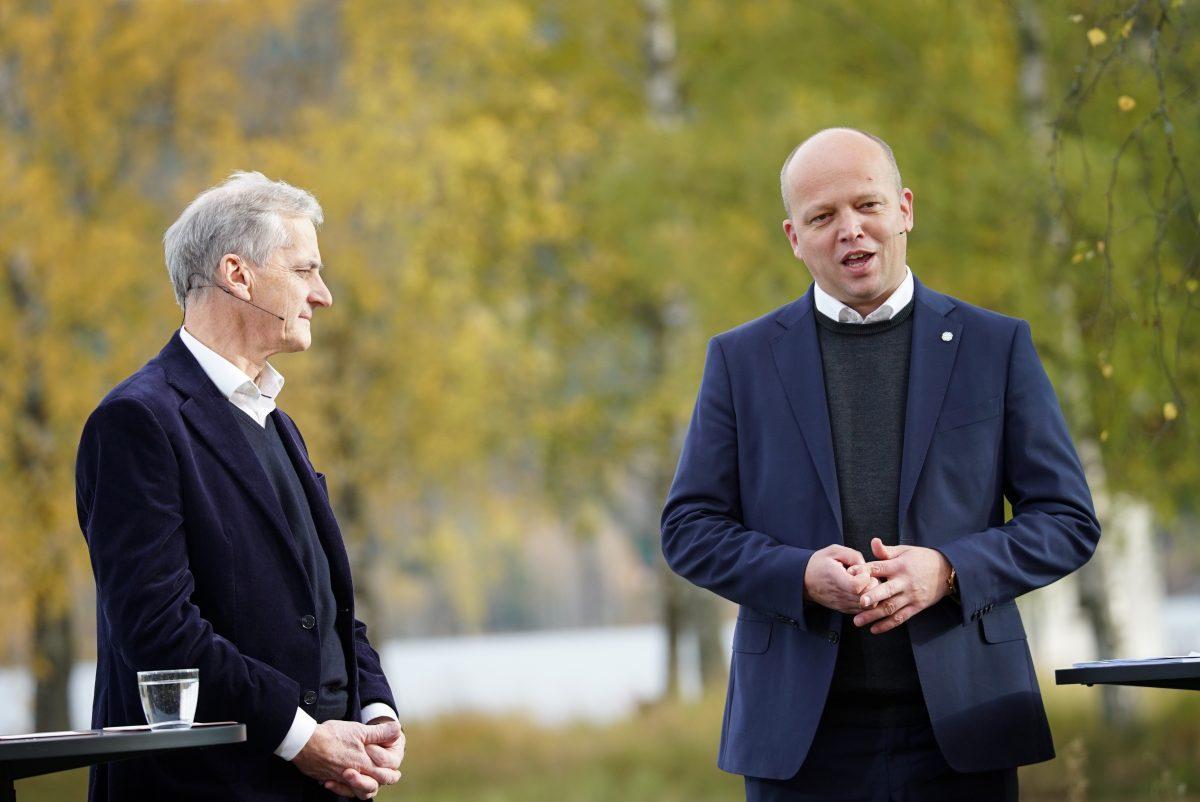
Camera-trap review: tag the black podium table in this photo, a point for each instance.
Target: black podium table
(1181, 674)
(29, 757)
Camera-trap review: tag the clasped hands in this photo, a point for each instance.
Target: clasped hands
(884, 593)
(353, 759)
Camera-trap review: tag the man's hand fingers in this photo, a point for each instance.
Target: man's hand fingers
(387, 758)
(895, 619)
(882, 611)
(385, 733)
(364, 787)
(865, 582)
(883, 568)
(886, 552)
(883, 592)
(381, 774)
(845, 555)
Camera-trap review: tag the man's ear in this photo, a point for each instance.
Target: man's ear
(793, 237)
(233, 275)
(906, 208)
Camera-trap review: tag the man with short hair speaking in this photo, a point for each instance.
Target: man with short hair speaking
(875, 419)
(210, 532)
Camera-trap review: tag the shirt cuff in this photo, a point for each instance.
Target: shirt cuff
(303, 726)
(377, 709)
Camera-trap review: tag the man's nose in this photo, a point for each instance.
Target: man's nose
(320, 296)
(851, 229)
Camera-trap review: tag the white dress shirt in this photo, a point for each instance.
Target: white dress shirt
(834, 309)
(257, 399)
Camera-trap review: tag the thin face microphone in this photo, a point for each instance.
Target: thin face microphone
(243, 300)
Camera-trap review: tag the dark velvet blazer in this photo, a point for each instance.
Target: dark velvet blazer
(756, 494)
(196, 567)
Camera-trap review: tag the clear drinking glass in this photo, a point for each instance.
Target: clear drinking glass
(169, 697)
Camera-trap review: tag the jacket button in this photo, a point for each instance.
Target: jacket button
(309, 698)
(833, 637)
(308, 622)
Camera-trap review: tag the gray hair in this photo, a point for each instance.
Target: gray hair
(885, 147)
(242, 215)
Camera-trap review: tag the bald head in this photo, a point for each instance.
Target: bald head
(818, 148)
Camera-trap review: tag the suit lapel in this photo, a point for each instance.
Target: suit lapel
(797, 355)
(935, 340)
(210, 415)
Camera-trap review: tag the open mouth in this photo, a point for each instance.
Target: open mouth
(858, 259)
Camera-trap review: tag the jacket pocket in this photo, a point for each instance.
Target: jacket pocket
(968, 413)
(751, 637)
(1002, 624)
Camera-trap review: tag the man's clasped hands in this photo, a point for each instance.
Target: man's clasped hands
(353, 759)
(884, 593)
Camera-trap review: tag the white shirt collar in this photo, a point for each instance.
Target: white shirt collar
(256, 400)
(834, 309)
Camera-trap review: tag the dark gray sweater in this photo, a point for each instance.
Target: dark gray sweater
(866, 386)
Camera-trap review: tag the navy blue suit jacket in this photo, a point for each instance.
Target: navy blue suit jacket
(196, 567)
(756, 494)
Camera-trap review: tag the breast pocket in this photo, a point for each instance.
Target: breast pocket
(967, 414)
(958, 487)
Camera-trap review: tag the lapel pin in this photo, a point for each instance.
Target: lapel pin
(947, 336)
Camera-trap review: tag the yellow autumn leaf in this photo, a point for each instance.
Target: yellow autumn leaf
(1170, 411)
(1100, 245)
(1126, 103)
(1077, 258)
(1126, 28)
(1104, 435)
(1192, 285)
(1106, 371)
(1097, 37)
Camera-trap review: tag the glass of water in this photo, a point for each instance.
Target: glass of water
(169, 697)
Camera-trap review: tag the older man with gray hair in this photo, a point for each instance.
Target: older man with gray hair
(211, 536)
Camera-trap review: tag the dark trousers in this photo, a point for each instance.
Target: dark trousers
(900, 763)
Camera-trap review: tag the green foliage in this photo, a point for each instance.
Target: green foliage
(1125, 166)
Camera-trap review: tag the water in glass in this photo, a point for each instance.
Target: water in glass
(169, 697)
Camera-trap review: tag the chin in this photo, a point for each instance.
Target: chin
(295, 344)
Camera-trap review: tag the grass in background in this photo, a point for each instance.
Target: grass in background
(668, 753)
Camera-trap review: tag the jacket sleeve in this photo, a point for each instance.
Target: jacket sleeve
(703, 537)
(129, 499)
(1053, 529)
(372, 684)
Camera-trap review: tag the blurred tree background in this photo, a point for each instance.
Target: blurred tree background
(537, 213)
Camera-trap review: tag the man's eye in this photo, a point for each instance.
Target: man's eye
(869, 204)
(819, 218)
